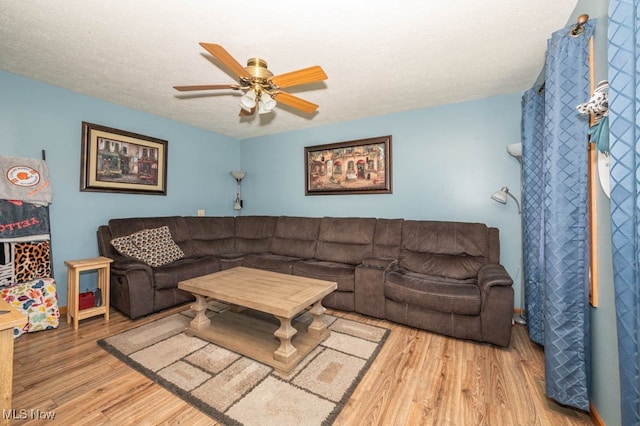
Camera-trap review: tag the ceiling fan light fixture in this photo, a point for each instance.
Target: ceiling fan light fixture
(266, 104)
(248, 100)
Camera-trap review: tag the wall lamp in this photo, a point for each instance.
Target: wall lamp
(501, 197)
(515, 150)
(238, 176)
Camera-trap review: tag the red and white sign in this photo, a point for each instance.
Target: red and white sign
(23, 176)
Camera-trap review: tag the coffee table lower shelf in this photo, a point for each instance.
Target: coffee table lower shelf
(251, 333)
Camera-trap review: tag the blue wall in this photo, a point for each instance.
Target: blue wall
(446, 163)
(36, 116)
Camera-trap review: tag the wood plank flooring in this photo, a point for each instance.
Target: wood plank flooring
(418, 378)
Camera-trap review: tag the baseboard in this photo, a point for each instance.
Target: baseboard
(595, 417)
(63, 311)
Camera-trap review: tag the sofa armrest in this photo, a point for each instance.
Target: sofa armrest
(496, 289)
(132, 287)
(369, 286)
(123, 263)
(492, 275)
(378, 262)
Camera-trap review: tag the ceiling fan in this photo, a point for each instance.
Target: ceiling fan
(262, 90)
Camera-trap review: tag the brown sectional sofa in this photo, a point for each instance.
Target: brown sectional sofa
(443, 277)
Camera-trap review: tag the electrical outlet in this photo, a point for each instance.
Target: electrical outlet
(200, 212)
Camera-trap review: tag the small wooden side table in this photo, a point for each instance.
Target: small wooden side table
(8, 320)
(74, 267)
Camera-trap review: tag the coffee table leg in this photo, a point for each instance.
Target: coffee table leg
(286, 351)
(317, 326)
(201, 321)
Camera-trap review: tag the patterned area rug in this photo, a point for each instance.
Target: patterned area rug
(236, 390)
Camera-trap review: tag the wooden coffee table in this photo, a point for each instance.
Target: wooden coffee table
(267, 295)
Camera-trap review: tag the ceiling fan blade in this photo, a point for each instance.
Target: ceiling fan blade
(295, 102)
(225, 57)
(206, 87)
(303, 76)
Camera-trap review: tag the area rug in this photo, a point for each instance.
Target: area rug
(236, 390)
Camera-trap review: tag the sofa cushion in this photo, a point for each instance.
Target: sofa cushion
(454, 238)
(433, 292)
(270, 262)
(345, 239)
(154, 247)
(448, 249)
(295, 236)
(343, 274)
(457, 267)
(254, 233)
(211, 236)
(168, 276)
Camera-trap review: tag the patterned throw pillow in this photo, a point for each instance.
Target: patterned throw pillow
(154, 247)
(37, 300)
(125, 246)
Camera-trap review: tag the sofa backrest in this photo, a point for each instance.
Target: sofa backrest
(453, 249)
(254, 233)
(345, 239)
(494, 245)
(296, 236)
(387, 238)
(449, 249)
(176, 224)
(105, 248)
(211, 236)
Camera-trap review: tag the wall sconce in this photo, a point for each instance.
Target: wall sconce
(501, 197)
(238, 176)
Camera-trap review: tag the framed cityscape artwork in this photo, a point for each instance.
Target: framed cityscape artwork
(353, 167)
(114, 160)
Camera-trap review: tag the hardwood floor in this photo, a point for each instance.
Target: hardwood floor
(418, 378)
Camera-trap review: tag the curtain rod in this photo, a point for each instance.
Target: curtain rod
(579, 28)
(574, 32)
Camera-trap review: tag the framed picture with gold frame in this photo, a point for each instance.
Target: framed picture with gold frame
(115, 160)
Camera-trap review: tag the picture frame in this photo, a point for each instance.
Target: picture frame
(353, 167)
(113, 160)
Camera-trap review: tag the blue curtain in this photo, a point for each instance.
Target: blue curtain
(555, 217)
(624, 107)
(532, 211)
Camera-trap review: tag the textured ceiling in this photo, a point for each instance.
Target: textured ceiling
(380, 57)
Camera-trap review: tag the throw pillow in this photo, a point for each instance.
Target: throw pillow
(126, 247)
(154, 247)
(37, 300)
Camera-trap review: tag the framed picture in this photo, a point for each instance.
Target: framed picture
(354, 167)
(117, 161)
